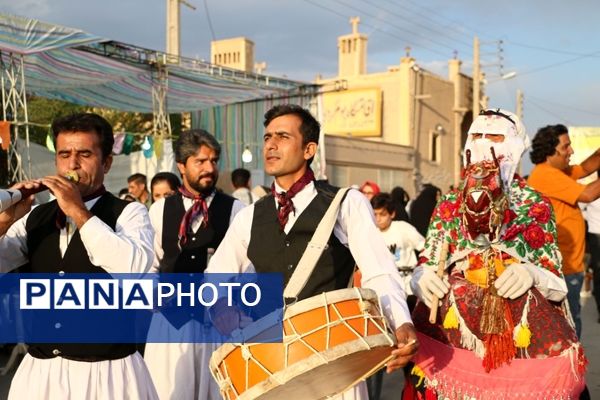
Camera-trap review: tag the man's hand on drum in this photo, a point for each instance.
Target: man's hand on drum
(406, 348)
(228, 318)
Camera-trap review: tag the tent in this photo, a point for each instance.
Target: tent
(62, 63)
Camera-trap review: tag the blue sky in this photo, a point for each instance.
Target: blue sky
(552, 45)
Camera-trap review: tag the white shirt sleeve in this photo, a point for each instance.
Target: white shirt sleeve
(13, 246)
(375, 261)
(231, 255)
(156, 220)
(417, 240)
(128, 248)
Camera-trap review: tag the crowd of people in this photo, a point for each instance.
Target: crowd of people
(470, 280)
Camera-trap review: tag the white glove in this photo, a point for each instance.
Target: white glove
(516, 280)
(426, 283)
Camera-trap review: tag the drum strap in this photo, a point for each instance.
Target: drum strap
(315, 248)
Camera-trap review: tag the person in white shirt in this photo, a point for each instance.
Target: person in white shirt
(189, 226)
(240, 179)
(403, 239)
(86, 220)
(271, 234)
(591, 213)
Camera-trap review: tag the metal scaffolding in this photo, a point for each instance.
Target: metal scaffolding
(161, 124)
(14, 110)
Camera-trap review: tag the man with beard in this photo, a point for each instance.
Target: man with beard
(503, 328)
(71, 235)
(189, 226)
(272, 234)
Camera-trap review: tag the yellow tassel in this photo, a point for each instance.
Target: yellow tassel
(523, 336)
(417, 371)
(451, 319)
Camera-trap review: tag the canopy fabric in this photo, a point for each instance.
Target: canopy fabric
(71, 65)
(28, 36)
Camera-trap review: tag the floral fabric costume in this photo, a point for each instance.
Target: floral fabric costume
(483, 346)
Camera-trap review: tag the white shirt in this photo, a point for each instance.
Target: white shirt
(591, 212)
(156, 219)
(128, 248)
(245, 195)
(355, 228)
(406, 240)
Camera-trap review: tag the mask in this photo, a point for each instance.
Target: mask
(484, 201)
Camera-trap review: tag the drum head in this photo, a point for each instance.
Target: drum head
(326, 374)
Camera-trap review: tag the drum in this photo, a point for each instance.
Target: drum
(330, 342)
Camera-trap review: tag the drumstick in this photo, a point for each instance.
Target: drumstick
(440, 273)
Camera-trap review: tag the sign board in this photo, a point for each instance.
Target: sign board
(354, 112)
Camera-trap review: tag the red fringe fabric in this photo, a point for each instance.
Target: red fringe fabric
(430, 394)
(500, 348)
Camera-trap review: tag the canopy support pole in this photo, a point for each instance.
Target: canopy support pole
(14, 110)
(161, 124)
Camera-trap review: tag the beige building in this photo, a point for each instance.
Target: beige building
(401, 127)
(236, 53)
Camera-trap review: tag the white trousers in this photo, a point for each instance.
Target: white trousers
(61, 379)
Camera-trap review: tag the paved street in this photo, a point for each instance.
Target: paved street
(392, 384)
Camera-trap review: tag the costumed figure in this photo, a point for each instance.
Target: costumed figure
(503, 329)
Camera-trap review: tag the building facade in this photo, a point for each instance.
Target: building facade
(402, 127)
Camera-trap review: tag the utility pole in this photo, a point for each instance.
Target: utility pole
(476, 78)
(173, 28)
(520, 104)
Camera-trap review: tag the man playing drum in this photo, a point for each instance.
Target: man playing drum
(272, 234)
(503, 329)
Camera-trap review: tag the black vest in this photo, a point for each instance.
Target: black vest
(271, 250)
(193, 256)
(44, 257)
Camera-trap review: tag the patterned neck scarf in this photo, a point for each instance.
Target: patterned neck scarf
(61, 218)
(284, 199)
(199, 207)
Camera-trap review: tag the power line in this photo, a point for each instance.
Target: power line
(430, 11)
(543, 68)
(597, 114)
(427, 16)
(553, 114)
(435, 31)
(547, 49)
(210, 25)
(346, 17)
(362, 12)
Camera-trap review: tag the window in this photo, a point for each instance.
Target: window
(435, 146)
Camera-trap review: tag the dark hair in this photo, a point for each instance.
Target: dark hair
(138, 178)
(87, 123)
(545, 141)
(240, 177)
(309, 128)
(168, 177)
(383, 200)
(423, 206)
(190, 141)
(400, 198)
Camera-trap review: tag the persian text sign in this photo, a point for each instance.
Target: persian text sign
(353, 112)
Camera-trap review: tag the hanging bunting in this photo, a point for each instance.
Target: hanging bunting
(127, 143)
(147, 147)
(50, 142)
(119, 141)
(158, 147)
(4, 134)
